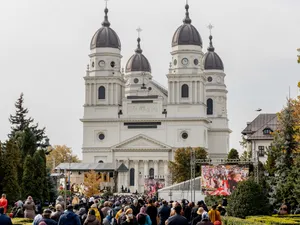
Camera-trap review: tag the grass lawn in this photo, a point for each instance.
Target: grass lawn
(21, 221)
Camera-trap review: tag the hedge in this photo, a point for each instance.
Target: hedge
(260, 220)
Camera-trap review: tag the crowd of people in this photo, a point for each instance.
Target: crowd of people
(114, 210)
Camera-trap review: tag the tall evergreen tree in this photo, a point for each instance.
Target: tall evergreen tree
(1, 167)
(233, 154)
(29, 184)
(11, 160)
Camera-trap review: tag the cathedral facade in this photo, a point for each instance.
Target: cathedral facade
(135, 124)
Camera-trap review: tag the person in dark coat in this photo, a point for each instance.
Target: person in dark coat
(46, 217)
(135, 207)
(177, 219)
(199, 217)
(164, 212)
(4, 219)
(69, 217)
(188, 211)
(151, 210)
(205, 220)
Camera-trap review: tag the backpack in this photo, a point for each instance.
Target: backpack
(141, 219)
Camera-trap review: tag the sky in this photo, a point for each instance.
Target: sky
(44, 47)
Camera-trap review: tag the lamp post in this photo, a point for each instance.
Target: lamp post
(65, 184)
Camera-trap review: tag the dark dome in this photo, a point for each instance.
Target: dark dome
(212, 60)
(138, 62)
(187, 34)
(105, 37)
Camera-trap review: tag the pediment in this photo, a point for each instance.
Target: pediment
(141, 142)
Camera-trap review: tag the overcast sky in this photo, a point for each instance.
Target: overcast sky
(44, 47)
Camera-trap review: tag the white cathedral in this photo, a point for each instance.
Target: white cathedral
(134, 124)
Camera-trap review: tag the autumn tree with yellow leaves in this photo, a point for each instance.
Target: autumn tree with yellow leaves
(92, 184)
(60, 154)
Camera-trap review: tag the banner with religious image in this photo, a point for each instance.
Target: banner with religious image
(151, 186)
(222, 179)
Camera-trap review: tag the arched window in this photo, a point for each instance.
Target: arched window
(101, 92)
(131, 179)
(184, 91)
(151, 173)
(210, 106)
(100, 161)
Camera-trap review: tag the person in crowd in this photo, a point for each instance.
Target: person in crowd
(37, 219)
(205, 220)
(46, 218)
(91, 219)
(214, 214)
(60, 201)
(164, 212)
(97, 213)
(217, 222)
(109, 219)
(177, 219)
(135, 207)
(69, 217)
(17, 210)
(129, 218)
(4, 219)
(221, 209)
(224, 202)
(106, 208)
(151, 210)
(58, 212)
(143, 218)
(82, 213)
(3, 203)
(29, 208)
(188, 211)
(198, 218)
(122, 214)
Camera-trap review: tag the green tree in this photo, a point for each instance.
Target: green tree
(11, 160)
(29, 181)
(180, 168)
(233, 154)
(248, 200)
(1, 167)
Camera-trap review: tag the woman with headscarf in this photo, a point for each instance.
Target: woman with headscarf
(91, 218)
(29, 208)
(143, 218)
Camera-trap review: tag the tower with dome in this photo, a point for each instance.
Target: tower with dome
(134, 125)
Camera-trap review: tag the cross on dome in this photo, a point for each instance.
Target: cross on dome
(139, 30)
(106, 3)
(210, 27)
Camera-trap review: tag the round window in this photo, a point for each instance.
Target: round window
(101, 136)
(112, 64)
(209, 79)
(184, 135)
(196, 62)
(175, 62)
(149, 88)
(136, 80)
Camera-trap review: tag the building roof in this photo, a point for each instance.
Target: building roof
(86, 166)
(138, 62)
(105, 37)
(122, 168)
(160, 87)
(254, 130)
(211, 59)
(186, 34)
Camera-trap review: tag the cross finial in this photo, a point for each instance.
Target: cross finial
(106, 3)
(139, 30)
(186, 2)
(210, 27)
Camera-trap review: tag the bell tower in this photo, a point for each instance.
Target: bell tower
(185, 78)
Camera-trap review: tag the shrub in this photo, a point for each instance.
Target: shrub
(210, 200)
(248, 200)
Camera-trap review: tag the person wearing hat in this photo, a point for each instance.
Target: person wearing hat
(69, 217)
(46, 218)
(198, 218)
(205, 220)
(129, 218)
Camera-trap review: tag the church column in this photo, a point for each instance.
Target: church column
(95, 94)
(146, 169)
(136, 176)
(191, 90)
(166, 172)
(170, 91)
(173, 92)
(126, 177)
(155, 169)
(178, 92)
